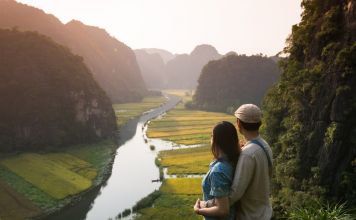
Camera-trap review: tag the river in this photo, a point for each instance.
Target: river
(132, 173)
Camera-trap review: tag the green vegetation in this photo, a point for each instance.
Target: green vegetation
(87, 164)
(233, 80)
(14, 206)
(127, 111)
(310, 113)
(177, 196)
(46, 174)
(51, 98)
(34, 194)
(319, 211)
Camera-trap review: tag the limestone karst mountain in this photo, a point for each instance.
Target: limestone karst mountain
(112, 63)
(49, 96)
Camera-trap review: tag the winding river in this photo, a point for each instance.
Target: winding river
(132, 173)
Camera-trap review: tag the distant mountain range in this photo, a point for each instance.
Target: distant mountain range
(180, 71)
(112, 63)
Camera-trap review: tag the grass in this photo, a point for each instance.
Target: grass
(127, 111)
(48, 175)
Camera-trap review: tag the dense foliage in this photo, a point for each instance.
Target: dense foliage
(112, 63)
(310, 115)
(233, 80)
(48, 96)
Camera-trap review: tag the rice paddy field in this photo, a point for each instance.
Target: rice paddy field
(33, 183)
(175, 202)
(187, 161)
(187, 127)
(127, 111)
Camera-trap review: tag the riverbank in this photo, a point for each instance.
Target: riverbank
(127, 180)
(60, 179)
(183, 166)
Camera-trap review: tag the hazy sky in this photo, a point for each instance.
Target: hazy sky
(244, 26)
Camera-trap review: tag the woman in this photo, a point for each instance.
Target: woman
(217, 182)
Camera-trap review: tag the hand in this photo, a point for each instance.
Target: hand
(197, 206)
(203, 204)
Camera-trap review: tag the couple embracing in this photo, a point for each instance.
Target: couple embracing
(237, 185)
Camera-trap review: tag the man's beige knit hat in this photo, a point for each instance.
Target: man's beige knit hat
(249, 113)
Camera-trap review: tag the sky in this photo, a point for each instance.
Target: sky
(244, 26)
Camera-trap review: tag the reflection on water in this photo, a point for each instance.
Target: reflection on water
(132, 173)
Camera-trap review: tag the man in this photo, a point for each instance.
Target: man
(251, 184)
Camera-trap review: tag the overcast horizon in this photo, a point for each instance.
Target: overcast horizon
(251, 27)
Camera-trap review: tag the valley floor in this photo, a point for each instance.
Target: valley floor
(182, 185)
(33, 184)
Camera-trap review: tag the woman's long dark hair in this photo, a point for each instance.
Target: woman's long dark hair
(225, 138)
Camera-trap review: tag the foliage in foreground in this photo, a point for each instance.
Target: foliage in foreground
(310, 113)
(319, 211)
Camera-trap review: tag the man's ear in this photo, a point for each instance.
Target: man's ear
(238, 123)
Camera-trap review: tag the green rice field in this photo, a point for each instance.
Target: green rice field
(49, 175)
(35, 183)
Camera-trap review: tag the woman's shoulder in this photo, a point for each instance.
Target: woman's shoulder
(222, 166)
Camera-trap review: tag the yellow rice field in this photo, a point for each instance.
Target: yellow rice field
(58, 175)
(186, 161)
(186, 186)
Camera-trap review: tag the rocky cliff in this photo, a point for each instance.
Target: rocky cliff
(233, 80)
(112, 63)
(310, 115)
(49, 97)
